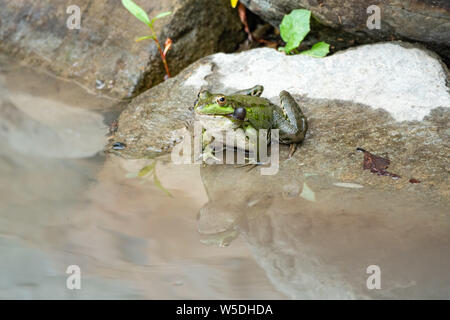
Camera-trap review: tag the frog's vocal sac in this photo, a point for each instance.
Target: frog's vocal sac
(246, 109)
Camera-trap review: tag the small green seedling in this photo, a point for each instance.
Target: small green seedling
(293, 29)
(146, 173)
(139, 13)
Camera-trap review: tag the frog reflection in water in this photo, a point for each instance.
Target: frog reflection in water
(246, 109)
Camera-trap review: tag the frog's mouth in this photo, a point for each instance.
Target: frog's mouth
(207, 110)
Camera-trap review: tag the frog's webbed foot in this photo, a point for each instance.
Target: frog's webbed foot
(208, 156)
(249, 166)
(254, 91)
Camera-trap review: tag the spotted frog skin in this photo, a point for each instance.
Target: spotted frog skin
(248, 110)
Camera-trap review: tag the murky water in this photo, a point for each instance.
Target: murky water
(224, 233)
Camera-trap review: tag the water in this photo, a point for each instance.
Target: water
(225, 233)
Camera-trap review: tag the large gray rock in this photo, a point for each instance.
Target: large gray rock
(406, 82)
(104, 48)
(420, 20)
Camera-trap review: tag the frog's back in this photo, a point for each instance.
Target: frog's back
(239, 100)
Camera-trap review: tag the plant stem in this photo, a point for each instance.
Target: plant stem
(163, 57)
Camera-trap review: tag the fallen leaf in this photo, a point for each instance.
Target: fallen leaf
(376, 164)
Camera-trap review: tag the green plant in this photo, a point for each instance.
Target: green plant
(139, 13)
(293, 29)
(146, 173)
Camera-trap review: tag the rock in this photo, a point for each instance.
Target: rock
(399, 19)
(103, 55)
(386, 98)
(401, 84)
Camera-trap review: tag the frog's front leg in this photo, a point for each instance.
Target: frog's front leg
(249, 142)
(207, 150)
(294, 130)
(253, 91)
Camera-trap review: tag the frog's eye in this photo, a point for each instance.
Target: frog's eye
(221, 100)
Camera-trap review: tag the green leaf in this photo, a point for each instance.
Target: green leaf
(161, 15)
(294, 27)
(144, 38)
(319, 50)
(136, 11)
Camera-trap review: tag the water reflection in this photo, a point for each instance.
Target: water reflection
(62, 203)
(321, 247)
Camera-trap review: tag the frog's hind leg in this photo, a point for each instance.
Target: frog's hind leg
(253, 91)
(290, 107)
(297, 126)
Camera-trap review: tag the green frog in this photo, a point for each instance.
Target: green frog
(247, 110)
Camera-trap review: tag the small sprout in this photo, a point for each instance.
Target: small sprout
(140, 14)
(293, 29)
(149, 170)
